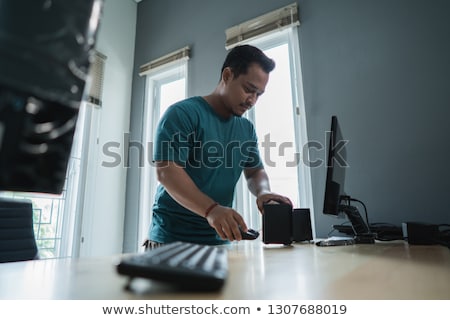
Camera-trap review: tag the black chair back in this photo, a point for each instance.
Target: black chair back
(17, 240)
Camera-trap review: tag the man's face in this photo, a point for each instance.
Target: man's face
(241, 93)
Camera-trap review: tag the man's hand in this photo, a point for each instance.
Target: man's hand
(226, 222)
(270, 197)
(258, 184)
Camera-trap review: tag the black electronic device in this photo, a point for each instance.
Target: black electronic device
(277, 223)
(46, 48)
(420, 233)
(250, 234)
(301, 225)
(336, 201)
(384, 231)
(283, 225)
(187, 266)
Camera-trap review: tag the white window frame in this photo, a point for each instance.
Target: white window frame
(173, 71)
(70, 203)
(244, 200)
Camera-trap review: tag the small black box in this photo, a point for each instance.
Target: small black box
(277, 223)
(301, 225)
(420, 233)
(283, 225)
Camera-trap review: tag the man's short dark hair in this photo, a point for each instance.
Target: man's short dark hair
(241, 57)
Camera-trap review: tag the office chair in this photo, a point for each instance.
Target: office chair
(17, 240)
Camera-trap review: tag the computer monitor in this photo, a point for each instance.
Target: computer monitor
(46, 48)
(336, 166)
(336, 201)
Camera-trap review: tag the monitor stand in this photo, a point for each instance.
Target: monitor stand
(359, 226)
(361, 229)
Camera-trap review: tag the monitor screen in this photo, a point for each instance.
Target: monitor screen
(336, 201)
(336, 166)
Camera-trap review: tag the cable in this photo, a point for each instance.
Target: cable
(350, 199)
(387, 232)
(365, 210)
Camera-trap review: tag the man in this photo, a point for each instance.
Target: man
(202, 146)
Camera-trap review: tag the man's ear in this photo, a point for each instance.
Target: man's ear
(227, 74)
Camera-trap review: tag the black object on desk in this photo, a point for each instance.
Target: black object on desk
(284, 225)
(250, 234)
(186, 265)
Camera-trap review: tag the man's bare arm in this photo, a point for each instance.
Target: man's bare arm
(182, 189)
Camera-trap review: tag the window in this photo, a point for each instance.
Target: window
(279, 115)
(48, 222)
(165, 85)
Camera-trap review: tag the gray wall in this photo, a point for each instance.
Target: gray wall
(380, 66)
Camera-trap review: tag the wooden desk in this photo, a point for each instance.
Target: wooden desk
(391, 270)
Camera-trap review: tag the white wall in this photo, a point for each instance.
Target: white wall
(104, 204)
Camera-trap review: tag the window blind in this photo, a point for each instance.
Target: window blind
(270, 22)
(170, 58)
(96, 74)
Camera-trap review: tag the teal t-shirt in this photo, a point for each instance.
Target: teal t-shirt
(213, 151)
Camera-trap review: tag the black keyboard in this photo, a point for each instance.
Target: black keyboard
(186, 265)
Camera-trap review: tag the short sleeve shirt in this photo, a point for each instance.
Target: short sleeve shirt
(213, 151)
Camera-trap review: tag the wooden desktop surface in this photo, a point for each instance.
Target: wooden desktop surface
(385, 270)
